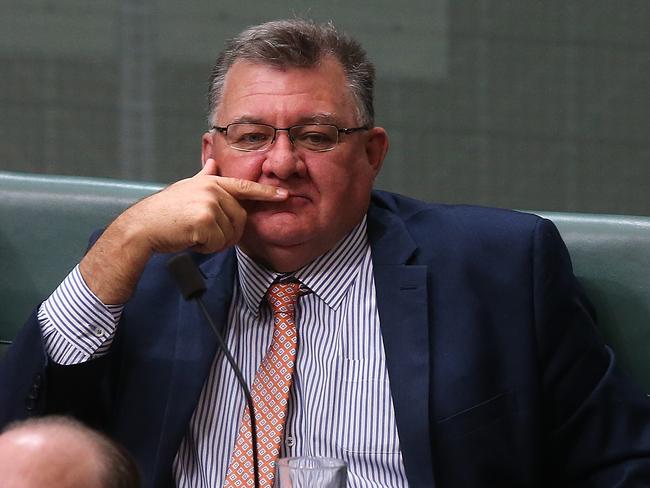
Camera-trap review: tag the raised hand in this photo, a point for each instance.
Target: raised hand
(202, 212)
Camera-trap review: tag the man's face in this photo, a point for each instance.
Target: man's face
(328, 191)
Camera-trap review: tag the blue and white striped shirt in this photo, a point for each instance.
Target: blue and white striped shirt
(340, 404)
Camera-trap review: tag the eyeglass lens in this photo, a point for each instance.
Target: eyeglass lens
(256, 137)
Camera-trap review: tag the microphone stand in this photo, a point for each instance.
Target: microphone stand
(191, 284)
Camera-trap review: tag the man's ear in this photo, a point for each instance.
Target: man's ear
(376, 147)
(207, 142)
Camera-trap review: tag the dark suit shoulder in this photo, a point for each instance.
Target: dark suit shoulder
(466, 222)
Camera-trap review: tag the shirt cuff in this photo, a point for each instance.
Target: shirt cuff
(76, 325)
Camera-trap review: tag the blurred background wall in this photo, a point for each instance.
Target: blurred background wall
(513, 103)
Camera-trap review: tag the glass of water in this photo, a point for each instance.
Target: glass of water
(310, 472)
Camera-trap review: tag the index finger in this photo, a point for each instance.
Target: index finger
(251, 190)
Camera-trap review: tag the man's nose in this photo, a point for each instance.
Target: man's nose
(282, 158)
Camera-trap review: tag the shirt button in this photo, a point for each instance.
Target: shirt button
(290, 441)
(99, 332)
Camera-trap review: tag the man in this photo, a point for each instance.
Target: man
(59, 452)
(436, 344)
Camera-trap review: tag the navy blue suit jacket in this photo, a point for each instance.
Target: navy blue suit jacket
(497, 375)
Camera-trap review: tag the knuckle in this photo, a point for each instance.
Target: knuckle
(197, 237)
(203, 217)
(243, 186)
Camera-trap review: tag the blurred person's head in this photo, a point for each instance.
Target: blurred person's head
(59, 452)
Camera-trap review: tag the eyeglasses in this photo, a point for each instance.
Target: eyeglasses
(258, 137)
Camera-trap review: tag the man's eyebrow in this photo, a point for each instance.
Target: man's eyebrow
(246, 119)
(318, 118)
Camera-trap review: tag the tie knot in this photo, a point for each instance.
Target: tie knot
(282, 297)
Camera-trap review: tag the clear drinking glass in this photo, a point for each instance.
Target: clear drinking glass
(310, 472)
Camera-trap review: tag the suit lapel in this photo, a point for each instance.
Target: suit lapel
(402, 301)
(196, 346)
(402, 304)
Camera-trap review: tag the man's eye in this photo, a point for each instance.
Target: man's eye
(253, 138)
(315, 138)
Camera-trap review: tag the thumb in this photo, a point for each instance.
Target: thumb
(209, 167)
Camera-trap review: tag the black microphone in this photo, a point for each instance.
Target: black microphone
(190, 282)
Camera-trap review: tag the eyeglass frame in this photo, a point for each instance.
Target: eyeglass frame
(345, 130)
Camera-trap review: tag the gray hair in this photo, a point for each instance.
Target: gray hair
(297, 43)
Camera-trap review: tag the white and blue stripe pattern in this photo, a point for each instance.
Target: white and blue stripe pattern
(76, 325)
(340, 404)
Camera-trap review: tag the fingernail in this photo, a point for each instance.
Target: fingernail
(281, 192)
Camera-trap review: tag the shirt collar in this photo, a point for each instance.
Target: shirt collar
(329, 276)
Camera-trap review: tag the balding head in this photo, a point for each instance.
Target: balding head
(59, 452)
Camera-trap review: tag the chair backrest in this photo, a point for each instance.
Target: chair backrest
(611, 258)
(45, 222)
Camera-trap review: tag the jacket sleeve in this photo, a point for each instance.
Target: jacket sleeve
(33, 385)
(597, 421)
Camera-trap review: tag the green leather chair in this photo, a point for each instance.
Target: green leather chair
(611, 258)
(45, 222)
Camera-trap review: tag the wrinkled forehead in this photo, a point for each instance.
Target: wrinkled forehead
(325, 81)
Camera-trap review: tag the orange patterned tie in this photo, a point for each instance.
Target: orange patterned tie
(270, 394)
